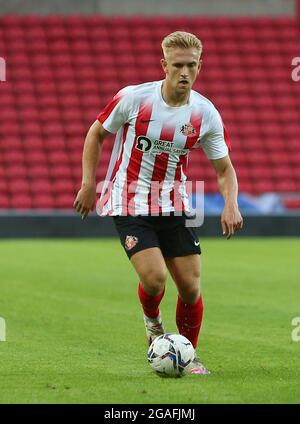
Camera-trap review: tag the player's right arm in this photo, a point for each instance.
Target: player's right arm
(112, 117)
(86, 196)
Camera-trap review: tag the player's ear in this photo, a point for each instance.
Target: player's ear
(163, 63)
(200, 65)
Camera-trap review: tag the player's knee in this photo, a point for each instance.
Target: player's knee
(190, 293)
(195, 276)
(154, 281)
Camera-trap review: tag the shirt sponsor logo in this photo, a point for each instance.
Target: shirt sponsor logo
(158, 146)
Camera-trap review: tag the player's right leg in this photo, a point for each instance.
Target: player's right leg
(150, 266)
(141, 245)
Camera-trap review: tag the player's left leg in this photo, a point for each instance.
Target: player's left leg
(185, 271)
(181, 250)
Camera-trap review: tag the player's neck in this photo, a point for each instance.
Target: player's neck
(172, 98)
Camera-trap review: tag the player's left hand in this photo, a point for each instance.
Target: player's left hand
(231, 220)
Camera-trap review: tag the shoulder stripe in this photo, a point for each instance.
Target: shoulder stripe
(102, 117)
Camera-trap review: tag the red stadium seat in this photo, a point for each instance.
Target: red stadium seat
(294, 159)
(283, 173)
(29, 113)
(61, 171)
(50, 114)
(263, 186)
(54, 143)
(57, 157)
(10, 143)
(36, 157)
(37, 46)
(45, 88)
(293, 204)
(4, 202)
(19, 186)
(33, 143)
(64, 201)
(3, 186)
(53, 129)
(285, 186)
(41, 186)
(38, 171)
(21, 201)
(43, 201)
(64, 187)
(13, 157)
(32, 129)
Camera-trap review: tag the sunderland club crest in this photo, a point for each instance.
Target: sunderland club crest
(130, 242)
(188, 130)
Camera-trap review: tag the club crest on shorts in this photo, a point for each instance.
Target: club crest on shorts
(130, 242)
(188, 130)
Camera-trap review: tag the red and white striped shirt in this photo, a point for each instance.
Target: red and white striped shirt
(146, 173)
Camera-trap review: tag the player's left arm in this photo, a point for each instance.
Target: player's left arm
(231, 219)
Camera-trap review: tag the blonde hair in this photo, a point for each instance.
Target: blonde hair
(181, 39)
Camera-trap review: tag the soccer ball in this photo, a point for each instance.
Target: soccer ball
(171, 355)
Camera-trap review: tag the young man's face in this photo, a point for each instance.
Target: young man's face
(181, 67)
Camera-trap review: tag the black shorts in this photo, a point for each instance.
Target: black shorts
(169, 233)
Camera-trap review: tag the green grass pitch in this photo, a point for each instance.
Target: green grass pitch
(75, 332)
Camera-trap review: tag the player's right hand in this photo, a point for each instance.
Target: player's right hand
(85, 200)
